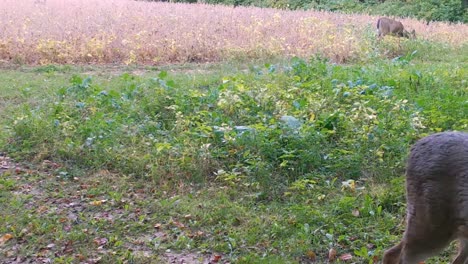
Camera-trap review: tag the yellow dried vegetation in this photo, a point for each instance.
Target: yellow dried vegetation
(121, 31)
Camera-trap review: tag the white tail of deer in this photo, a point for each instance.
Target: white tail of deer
(388, 26)
(437, 199)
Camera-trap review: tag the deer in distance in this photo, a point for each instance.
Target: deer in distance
(437, 199)
(388, 26)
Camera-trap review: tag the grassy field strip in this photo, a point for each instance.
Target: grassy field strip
(292, 162)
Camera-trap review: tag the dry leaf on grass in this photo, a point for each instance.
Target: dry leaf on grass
(216, 259)
(100, 241)
(346, 257)
(356, 213)
(97, 202)
(311, 255)
(331, 254)
(5, 238)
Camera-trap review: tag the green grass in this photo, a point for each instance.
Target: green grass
(264, 163)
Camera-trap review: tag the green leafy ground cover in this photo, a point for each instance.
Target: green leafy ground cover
(278, 162)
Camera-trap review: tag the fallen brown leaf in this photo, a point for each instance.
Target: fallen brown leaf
(68, 248)
(5, 238)
(356, 213)
(100, 241)
(94, 260)
(346, 256)
(97, 202)
(216, 259)
(51, 245)
(41, 209)
(331, 254)
(45, 260)
(80, 257)
(43, 252)
(179, 225)
(311, 255)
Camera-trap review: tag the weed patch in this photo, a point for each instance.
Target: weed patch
(287, 162)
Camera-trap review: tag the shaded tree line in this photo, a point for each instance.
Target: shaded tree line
(428, 10)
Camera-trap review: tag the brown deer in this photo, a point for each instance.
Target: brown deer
(388, 26)
(437, 199)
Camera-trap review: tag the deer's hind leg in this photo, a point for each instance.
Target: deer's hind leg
(462, 256)
(392, 256)
(418, 245)
(422, 241)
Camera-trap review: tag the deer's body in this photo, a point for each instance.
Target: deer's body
(388, 26)
(437, 199)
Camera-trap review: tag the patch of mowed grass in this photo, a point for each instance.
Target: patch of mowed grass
(275, 164)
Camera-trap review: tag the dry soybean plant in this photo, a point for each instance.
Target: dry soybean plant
(124, 31)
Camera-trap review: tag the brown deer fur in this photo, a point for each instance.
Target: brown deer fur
(388, 26)
(437, 199)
